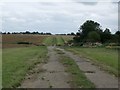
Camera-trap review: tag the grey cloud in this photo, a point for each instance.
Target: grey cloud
(89, 3)
(58, 17)
(86, 2)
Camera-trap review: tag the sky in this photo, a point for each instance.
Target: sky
(56, 16)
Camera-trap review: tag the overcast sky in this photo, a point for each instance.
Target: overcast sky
(57, 16)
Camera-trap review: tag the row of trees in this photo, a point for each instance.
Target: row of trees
(91, 31)
(27, 32)
(72, 33)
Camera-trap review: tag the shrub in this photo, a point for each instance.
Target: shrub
(24, 43)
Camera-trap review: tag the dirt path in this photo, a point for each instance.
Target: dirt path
(53, 75)
(100, 78)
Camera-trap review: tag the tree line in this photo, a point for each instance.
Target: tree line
(91, 31)
(26, 32)
(39, 33)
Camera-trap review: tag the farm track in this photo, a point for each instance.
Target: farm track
(100, 78)
(53, 76)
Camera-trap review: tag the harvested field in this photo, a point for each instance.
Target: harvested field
(9, 41)
(67, 38)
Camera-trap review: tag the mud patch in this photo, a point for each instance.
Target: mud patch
(89, 71)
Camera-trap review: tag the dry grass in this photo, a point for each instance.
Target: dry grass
(67, 38)
(9, 41)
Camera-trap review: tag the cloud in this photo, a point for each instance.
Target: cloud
(89, 3)
(58, 17)
(13, 19)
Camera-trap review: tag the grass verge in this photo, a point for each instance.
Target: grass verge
(16, 62)
(107, 59)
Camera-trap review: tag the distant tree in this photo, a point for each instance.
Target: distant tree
(117, 34)
(106, 36)
(93, 36)
(78, 34)
(41, 33)
(34, 33)
(47, 34)
(89, 26)
(76, 39)
(4, 33)
(91, 31)
(72, 33)
(114, 38)
(27, 32)
(68, 34)
(85, 29)
(8, 32)
(107, 31)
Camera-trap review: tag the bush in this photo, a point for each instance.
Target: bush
(59, 45)
(24, 43)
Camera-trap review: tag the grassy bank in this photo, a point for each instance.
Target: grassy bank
(79, 80)
(107, 59)
(17, 62)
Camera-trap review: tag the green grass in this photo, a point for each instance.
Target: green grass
(54, 40)
(79, 80)
(16, 62)
(51, 40)
(107, 59)
(60, 40)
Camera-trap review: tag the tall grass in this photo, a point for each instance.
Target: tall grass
(17, 61)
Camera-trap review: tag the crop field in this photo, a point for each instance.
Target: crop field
(60, 41)
(67, 38)
(9, 41)
(106, 58)
(17, 61)
(50, 40)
